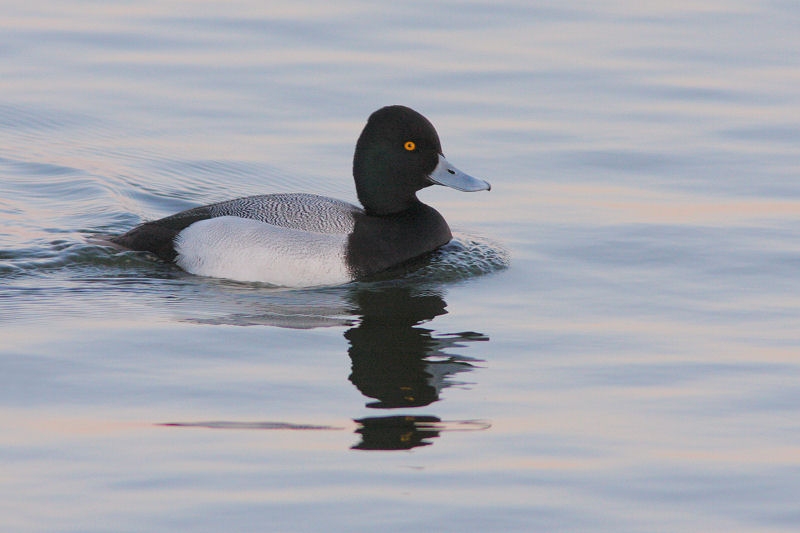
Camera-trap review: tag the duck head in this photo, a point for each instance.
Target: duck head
(397, 154)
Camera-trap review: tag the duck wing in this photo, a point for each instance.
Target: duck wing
(305, 212)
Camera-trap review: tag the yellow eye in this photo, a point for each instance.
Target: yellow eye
(410, 146)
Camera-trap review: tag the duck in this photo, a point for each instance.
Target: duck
(306, 240)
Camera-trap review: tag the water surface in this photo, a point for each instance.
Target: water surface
(610, 344)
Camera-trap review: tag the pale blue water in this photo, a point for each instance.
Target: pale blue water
(611, 344)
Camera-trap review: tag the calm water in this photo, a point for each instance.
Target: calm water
(611, 344)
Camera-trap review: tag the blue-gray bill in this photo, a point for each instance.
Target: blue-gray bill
(448, 175)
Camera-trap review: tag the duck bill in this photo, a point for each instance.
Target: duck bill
(448, 175)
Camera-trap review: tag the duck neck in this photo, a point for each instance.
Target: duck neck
(388, 209)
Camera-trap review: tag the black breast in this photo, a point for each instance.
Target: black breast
(381, 242)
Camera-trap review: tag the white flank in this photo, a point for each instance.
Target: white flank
(244, 249)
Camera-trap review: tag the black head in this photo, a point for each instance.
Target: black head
(395, 153)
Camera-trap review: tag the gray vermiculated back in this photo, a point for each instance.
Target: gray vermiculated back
(308, 212)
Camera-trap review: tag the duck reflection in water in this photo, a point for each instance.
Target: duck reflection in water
(395, 361)
(402, 365)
